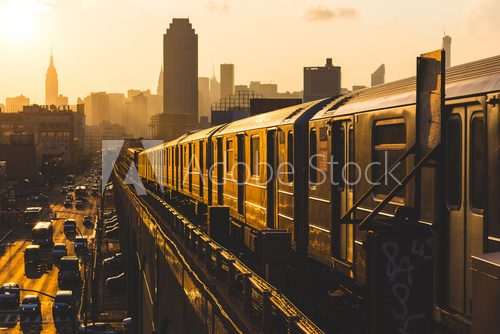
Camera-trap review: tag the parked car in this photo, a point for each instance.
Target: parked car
(88, 220)
(64, 304)
(69, 226)
(30, 306)
(98, 328)
(68, 202)
(32, 254)
(9, 296)
(81, 245)
(79, 204)
(59, 251)
(113, 233)
(115, 282)
(114, 264)
(127, 324)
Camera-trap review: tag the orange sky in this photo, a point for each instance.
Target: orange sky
(115, 45)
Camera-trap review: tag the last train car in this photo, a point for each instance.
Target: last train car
(374, 128)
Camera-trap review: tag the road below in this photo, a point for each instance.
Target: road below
(44, 277)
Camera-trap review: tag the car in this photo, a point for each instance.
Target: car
(69, 271)
(79, 204)
(115, 282)
(9, 296)
(58, 251)
(64, 304)
(71, 189)
(32, 254)
(43, 198)
(81, 244)
(111, 226)
(68, 202)
(29, 306)
(64, 190)
(127, 324)
(69, 226)
(113, 264)
(97, 328)
(114, 233)
(88, 220)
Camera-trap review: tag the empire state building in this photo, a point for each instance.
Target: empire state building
(51, 84)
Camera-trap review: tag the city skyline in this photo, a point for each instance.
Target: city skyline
(129, 56)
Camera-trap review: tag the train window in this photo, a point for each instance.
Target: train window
(477, 166)
(202, 162)
(390, 145)
(290, 157)
(454, 162)
(313, 157)
(254, 155)
(229, 156)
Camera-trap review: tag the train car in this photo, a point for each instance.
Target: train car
(196, 164)
(248, 150)
(373, 131)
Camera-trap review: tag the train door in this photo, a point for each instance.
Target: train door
(201, 165)
(465, 145)
(220, 173)
(343, 190)
(241, 174)
(271, 178)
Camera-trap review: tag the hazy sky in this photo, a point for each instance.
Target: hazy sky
(115, 45)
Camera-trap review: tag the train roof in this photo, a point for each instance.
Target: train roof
(472, 78)
(288, 115)
(201, 134)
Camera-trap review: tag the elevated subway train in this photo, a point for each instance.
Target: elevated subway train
(303, 169)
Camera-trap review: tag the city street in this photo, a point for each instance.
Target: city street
(44, 277)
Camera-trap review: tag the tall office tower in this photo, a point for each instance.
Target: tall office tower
(99, 104)
(51, 84)
(322, 81)
(180, 63)
(378, 77)
(447, 49)
(226, 80)
(180, 80)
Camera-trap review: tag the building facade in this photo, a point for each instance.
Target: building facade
(378, 77)
(59, 132)
(16, 104)
(226, 80)
(322, 81)
(180, 80)
(95, 134)
(447, 49)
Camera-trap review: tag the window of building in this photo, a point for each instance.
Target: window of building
(477, 162)
(254, 155)
(229, 156)
(454, 162)
(313, 159)
(389, 137)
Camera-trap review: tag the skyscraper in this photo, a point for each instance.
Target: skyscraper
(180, 80)
(447, 49)
(180, 63)
(214, 89)
(322, 81)
(378, 77)
(51, 84)
(226, 80)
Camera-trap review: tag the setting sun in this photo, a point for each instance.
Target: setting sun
(18, 18)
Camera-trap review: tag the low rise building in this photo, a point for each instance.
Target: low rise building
(95, 134)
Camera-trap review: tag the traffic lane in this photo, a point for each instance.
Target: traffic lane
(41, 279)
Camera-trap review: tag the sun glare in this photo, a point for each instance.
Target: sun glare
(18, 18)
